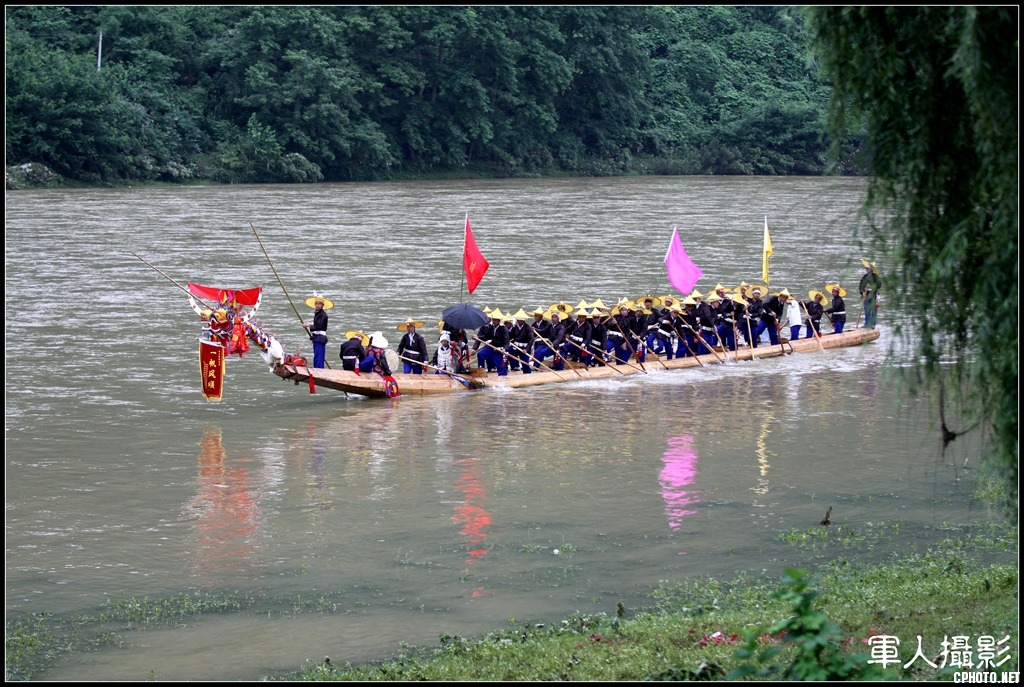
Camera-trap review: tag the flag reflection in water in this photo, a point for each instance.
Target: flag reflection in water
(678, 473)
(224, 512)
(471, 514)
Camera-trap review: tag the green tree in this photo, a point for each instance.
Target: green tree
(934, 89)
(294, 69)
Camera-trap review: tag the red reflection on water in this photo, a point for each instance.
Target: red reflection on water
(226, 515)
(679, 472)
(471, 514)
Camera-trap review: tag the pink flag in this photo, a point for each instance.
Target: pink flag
(682, 273)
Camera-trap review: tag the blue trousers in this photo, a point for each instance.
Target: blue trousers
(543, 351)
(488, 357)
(773, 333)
(620, 351)
(520, 359)
(319, 354)
(727, 336)
(794, 332)
(709, 338)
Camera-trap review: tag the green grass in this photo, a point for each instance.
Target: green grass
(804, 626)
(713, 630)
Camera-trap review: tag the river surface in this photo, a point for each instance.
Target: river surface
(419, 516)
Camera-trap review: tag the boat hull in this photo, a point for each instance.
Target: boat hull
(372, 385)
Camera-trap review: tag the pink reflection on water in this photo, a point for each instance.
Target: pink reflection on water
(679, 472)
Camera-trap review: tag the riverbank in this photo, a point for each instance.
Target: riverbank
(818, 626)
(34, 175)
(835, 625)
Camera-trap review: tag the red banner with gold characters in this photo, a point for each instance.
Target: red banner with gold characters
(211, 365)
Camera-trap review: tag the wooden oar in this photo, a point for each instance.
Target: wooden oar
(590, 353)
(557, 353)
(611, 318)
(814, 330)
(632, 350)
(473, 383)
(271, 263)
(750, 337)
(211, 307)
(486, 343)
(687, 343)
(541, 363)
(735, 339)
(701, 339)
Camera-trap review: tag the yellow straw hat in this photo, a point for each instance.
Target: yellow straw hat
(520, 315)
(831, 287)
(655, 301)
(311, 301)
(362, 337)
(757, 287)
(817, 296)
(415, 323)
(562, 307)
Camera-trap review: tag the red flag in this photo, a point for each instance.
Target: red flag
(473, 261)
(223, 296)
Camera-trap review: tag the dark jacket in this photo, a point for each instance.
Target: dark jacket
(524, 337)
(351, 353)
(557, 334)
(706, 316)
(499, 338)
(814, 311)
(773, 309)
(542, 328)
(414, 347)
(485, 334)
(319, 325)
(755, 306)
(580, 335)
(837, 310)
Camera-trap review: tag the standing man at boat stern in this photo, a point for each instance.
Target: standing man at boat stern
(318, 330)
(869, 285)
(412, 347)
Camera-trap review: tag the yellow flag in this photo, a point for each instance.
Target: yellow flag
(767, 251)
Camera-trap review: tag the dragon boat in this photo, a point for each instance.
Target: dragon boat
(375, 386)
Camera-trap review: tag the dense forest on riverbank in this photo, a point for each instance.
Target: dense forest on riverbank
(272, 94)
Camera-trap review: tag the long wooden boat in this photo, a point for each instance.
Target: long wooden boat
(369, 384)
